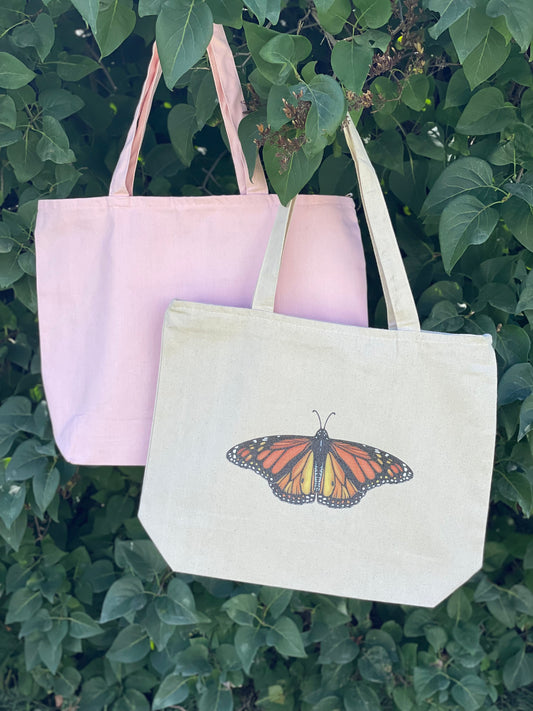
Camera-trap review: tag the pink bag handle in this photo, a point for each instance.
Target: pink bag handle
(231, 100)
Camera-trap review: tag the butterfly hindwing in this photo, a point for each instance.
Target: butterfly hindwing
(351, 469)
(285, 461)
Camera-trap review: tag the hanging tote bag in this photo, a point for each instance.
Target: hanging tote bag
(276, 440)
(107, 268)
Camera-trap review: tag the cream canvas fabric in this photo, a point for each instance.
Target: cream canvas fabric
(386, 500)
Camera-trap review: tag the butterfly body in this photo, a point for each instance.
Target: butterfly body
(336, 473)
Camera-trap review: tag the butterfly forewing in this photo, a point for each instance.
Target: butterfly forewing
(286, 461)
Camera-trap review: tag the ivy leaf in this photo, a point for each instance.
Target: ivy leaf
(299, 170)
(450, 11)
(172, 690)
(518, 17)
(265, 9)
(54, 144)
(130, 645)
(350, 61)
(465, 221)
(486, 58)
(485, 113)
(326, 112)
(13, 73)
(183, 31)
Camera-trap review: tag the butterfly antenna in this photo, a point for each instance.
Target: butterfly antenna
(319, 420)
(327, 418)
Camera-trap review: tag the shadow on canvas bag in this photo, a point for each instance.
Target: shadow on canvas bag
(107, 268)
(328, 458)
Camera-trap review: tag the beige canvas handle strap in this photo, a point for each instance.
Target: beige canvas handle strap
(232, 106)
(401, 309)
(265, 291)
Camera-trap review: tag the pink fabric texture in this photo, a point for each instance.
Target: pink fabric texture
(108, 267)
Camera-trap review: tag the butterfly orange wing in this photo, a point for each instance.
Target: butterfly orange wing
(351, 469)
(285, 461)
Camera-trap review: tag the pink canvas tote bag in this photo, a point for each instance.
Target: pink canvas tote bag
(107, 268)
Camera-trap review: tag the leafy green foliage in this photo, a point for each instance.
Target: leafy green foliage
(443, 94)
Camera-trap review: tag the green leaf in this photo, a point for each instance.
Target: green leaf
(15, 533)
(8, 111)
(458, 606)
(518, 17)
(486, 58)
(458, 92)
(375, 665)
(286, 638)
(124, 596)
(428, 681)
(60, 103)
(265, 9)
(73, 67)
(172, 690)
(24, 159)
(526, 417)
(287, 51)
(114, 23)
(242, 609)
(468, 31)
(276, 600)
(247, 641)
(465, 221)
(519, 218)
(130, 645)
(39, 34)
(81, 626)
(215, 698)
(450, 11)
(54, 144)
(183, 31)
(387, 150)
(178, 606)
(153, 7)
(132, 700)
(141, 557)
(470, 692)
(518, 670)
(15, 414)
(414, 91)
(182, 126)
(350, 61)
(372, 13)
(88, 9)
(485, 113)
(462, 176)
(337, 647)
(326, 112)
(332, 15)
(12, 498)
(13, 73)
(516, 383)
(226, 12)
(512, 343)
(27, 461)
(96, 694)
(23, 605)
(299, 170)
(45, 485)
(193, 660)
(360, 697)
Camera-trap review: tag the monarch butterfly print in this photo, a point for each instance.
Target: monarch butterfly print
(335, 472)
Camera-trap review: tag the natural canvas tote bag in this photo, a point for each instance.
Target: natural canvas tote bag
(107, 268)
(329, 458)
